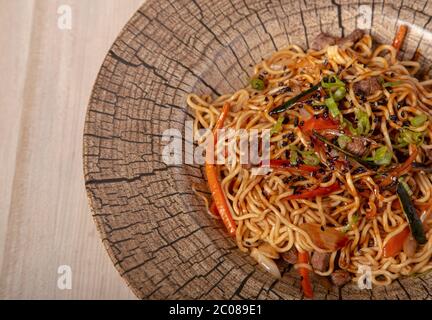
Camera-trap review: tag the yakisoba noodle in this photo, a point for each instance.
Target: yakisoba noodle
(344, 158)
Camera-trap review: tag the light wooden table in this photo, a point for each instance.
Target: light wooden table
(46, 78)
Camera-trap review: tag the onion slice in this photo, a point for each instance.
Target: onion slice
(326, 238)
(268, 251)
(268, 264)
(410, 246)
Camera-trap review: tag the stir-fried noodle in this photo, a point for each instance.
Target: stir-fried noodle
(350, 180)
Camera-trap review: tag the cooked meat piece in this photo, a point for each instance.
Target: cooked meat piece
(290, 256)
(320, 261)
(358, 146)
(340, 277)
(323, 40)
(367, 86)
(352, 38)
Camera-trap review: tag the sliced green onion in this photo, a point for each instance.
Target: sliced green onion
(382, 156)
(310, 158)
(332, 106)
(291, 102)
(419, 120)
(392, 84)
(347, 123)
(277, 126)
(343, 140)
(355, 218)
(332, 81)
(363, 123)
(317, 103)
(402, 181)
(293, 157)
(339, 94)
(407, 137)
(351, 223)
(257, 84)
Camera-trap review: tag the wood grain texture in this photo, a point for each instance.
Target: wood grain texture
(47, 76)
(153, 226)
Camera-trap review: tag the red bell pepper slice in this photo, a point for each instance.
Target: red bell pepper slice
(395, 244)
(320, 191)
(318, 124)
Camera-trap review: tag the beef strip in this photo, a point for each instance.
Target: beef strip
(352, 38)
(320, 261)
(290, 256)
(367, 86)
(340, 277)
(323, 40)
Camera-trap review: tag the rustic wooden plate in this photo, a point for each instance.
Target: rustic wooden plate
(153, 226)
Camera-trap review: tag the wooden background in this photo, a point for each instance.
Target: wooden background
(46, 79)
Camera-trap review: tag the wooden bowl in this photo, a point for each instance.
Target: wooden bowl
(154, 227)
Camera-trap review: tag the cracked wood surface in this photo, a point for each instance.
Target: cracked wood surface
(152, 224)
(46, 79)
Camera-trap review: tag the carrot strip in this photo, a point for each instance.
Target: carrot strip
(395, 244)
(318, 124)
(220, 121)
(400, 37)
(303, 257)
(213, 181)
